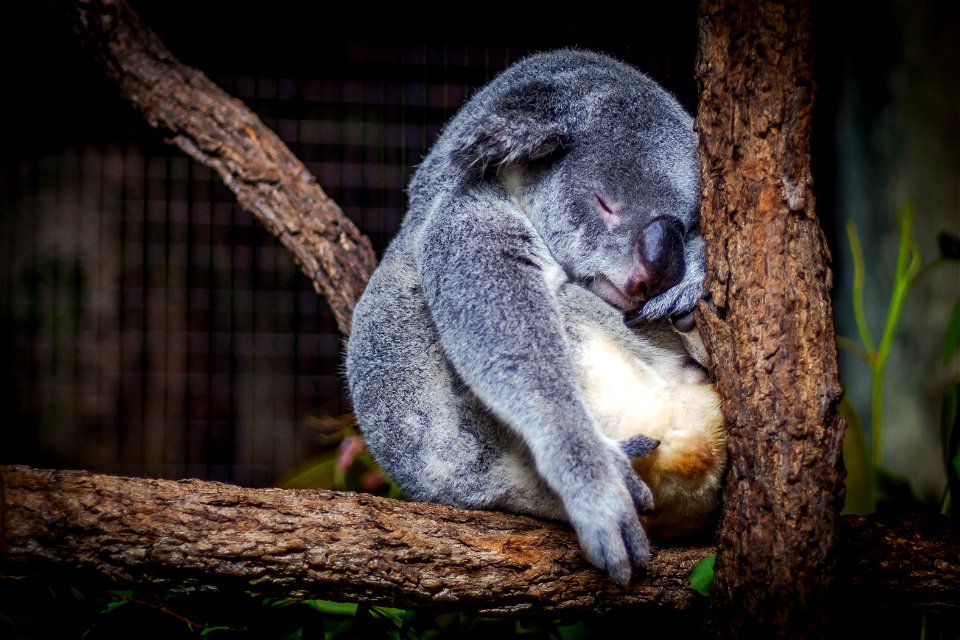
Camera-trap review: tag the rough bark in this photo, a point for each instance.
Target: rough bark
(771, 333)
(195, 535)
(219, 131)
(315, 544)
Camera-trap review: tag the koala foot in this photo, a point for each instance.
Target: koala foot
(609, 529)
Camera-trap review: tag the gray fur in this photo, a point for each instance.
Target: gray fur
(461, 358)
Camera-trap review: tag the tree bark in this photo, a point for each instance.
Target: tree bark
(315, 544)
(219, 131)
(771, 334)
(195, 535)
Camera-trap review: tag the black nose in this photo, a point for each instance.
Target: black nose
(660, 250)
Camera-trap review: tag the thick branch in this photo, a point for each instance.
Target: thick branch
(771, 337)
(219, 131)
(282, 543)
(306, 543)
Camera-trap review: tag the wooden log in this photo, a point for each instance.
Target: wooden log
(315, 544)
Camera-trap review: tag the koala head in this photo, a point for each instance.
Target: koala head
(604, 163)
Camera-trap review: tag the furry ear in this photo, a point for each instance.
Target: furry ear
(521, 126)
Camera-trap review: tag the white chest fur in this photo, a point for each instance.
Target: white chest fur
(660, 396)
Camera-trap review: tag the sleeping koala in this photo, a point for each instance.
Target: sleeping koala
(561, 196)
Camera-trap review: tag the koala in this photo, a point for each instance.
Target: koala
(559, 200)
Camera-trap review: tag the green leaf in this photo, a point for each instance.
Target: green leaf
(116, 604)
(953, 333)
(389, 612)
(338, 629)
(206, 631)
(334, 608)
(950, 434)
(950, 421)
(575, 631)
(701, 576)
(122, 598)
(314, 475)
(4, 618)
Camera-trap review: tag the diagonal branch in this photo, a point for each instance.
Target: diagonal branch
(219, 131)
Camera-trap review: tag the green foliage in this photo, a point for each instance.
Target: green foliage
(701, 576)
(868, 483)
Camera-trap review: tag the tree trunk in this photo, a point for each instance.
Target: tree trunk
(219, 131)
(193, 536)
(771, 333)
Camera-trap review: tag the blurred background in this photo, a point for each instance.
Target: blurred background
(149, 327)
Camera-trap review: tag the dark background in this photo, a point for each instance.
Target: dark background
(149, 327)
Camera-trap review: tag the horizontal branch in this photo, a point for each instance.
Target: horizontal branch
(313, 544)
(194, 534)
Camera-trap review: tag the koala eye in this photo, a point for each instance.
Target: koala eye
(609, 213)
(603, 205)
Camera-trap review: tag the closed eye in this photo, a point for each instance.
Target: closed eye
(610, 213)
(606, 207)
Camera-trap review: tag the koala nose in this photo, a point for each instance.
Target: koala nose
(660, 251)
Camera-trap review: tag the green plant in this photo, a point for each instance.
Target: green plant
(701, 575)
(868, 481)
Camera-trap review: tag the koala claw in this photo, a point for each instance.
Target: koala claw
(608, 525)
(615, 549)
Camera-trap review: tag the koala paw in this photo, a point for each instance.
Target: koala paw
(608, 525)
(639, 445)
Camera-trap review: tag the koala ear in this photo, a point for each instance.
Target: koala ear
(517, 127)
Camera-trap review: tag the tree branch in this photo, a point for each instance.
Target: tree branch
(219, 131)
(314, 544)
(320, 544)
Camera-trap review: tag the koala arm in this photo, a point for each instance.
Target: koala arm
(490, 284)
